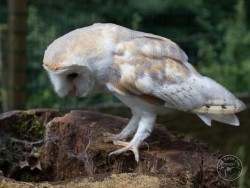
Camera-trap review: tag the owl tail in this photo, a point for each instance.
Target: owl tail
(230, 119)
(221, 105)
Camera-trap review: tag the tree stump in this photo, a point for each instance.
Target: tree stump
(73, 147)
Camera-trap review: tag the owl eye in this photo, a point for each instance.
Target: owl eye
(72, 76)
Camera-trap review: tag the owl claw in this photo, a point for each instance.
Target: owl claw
(109, 137)
(127, 146)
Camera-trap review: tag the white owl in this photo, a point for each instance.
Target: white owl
(149, 73)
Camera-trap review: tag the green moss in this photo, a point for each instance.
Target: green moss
(29, 129)
(29, 177)
(19, 144)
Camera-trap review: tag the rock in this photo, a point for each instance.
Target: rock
(74, 151)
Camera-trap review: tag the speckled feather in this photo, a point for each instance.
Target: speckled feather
(147, 72)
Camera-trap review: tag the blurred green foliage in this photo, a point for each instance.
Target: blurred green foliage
(243, 181)
(225, 55)
(214, 34)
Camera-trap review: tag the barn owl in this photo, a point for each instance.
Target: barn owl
(148, 73)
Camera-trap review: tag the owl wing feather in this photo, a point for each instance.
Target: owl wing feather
(165, 45)
(155, 69)
(152, 69)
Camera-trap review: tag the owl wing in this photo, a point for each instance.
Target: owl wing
(155, 70)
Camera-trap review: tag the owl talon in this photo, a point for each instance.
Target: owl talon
(127, 146)
(109, 137)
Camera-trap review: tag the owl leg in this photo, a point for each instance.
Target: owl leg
(145, 127)
(128, 130)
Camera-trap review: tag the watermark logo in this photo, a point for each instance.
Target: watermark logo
(229, 167)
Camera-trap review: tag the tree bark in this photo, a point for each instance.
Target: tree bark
(74, 148)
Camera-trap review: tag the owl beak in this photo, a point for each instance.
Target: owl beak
(73, 92)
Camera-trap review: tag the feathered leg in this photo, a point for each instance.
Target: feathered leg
(146, 124)
(128, 130)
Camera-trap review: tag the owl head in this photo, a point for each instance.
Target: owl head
(79, 60)
(72, 80)
(66, 70)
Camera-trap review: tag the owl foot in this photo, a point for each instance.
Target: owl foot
(127, 146)
(109, 137)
